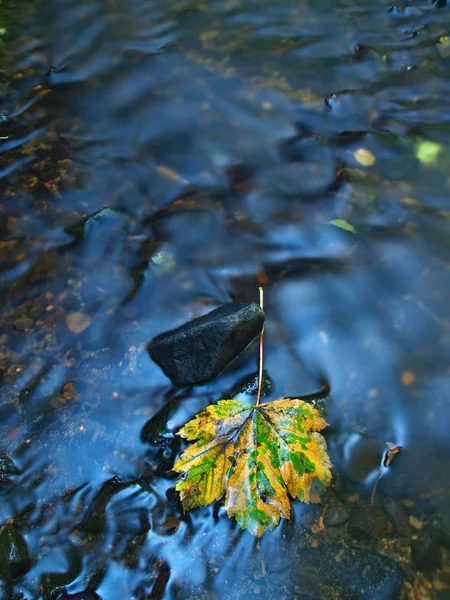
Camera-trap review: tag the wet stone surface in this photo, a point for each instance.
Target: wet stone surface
(15, 559)
(369, 521)
(346, 574)
(7, 468)
(199, 350)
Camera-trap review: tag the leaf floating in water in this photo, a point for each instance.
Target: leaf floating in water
(77, 322)
(342, 224)
(255, 456)
(428, 152)
(365, 157)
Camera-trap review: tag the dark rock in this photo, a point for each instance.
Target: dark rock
(7, 468)
(309, 518)
(359, 455)
(319, 399)
(94, 520)
(15, 559)
(155, 435)
(336, 534)
(367, 521)
(440, 505)
(199, 350)
(335, 515)
(156, 431)
(109, 217)
(53, 584)
(399, 518)
(249, 385)
(279, 561)
(426, 553)
(343, 573)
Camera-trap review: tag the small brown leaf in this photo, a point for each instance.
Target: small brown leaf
(77, 322)
(390, 454)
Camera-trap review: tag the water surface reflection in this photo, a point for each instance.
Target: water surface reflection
(223, 137)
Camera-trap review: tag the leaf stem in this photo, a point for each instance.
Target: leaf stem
(261, 351)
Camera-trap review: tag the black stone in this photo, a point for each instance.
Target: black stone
(106, 217)
(346, 574)
(157, 433)
(15, 559)
(7, 468)
(426, 553)
(199, 350)
(249, 385)
(94, 520)
(331, 572)
(54, 584)
(335, 515)
(367, 521)
(309, 518)
(399, 518)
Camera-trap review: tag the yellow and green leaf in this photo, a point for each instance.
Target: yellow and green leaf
(255, 456)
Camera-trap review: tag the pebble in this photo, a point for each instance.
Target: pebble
(7, 468)
(200, 349)
(77, 322)
(426, 553)
(367, 521)
(108, 217)
(345, 573)
(335, 515)
(15, 559)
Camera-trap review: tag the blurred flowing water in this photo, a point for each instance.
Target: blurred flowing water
(224, 136)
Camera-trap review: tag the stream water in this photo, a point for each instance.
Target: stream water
(222, 137)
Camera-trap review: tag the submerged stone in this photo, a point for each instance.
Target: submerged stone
(369, 521)
(249, 385)
(335, 515)
(346, 574)
(426, 552)
(53, 584)
(199, 350)
(103, 217)
(7, 468)
(15, 559)
(331, 572)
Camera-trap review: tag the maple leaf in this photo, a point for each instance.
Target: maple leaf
(255, 456)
